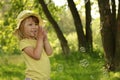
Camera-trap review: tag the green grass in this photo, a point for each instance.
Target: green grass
(11, 68)
(77, 66)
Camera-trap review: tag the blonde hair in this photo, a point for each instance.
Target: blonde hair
(20, 31)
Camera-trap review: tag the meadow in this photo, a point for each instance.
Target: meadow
(78, 66)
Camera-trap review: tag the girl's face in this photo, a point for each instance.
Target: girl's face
(30, 28)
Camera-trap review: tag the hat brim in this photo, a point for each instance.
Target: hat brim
(20, 19)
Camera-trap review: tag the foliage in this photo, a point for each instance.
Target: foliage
(66, 22)
(11, 68)
(8, 43)
(78, 66)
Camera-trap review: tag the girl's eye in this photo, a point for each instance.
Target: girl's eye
(30, 24)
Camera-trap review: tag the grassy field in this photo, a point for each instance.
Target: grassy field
(77, 66)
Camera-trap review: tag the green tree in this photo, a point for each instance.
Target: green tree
(89, 38)
(63, 41)
(84, 41)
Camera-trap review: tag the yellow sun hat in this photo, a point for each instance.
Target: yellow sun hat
(26, 13)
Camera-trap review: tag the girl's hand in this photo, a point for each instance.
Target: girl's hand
(45, 34)
(40, 33)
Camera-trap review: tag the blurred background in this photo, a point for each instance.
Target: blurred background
(73, 28)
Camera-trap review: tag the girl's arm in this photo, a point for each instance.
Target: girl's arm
(47, 47)
(36, 52)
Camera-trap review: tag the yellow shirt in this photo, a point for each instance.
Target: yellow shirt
(36, 69)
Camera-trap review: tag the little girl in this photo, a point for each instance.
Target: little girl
(35, 46)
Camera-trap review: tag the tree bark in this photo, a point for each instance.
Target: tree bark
(63, 41)
(78, 25)
(117, 52)
(107, 32)
(114, 22)
(88, 26)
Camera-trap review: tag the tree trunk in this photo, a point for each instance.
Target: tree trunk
(88, 26)
(59, 33)
(117, 52)
(78, 25)
(114, 22)
(107, 32)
